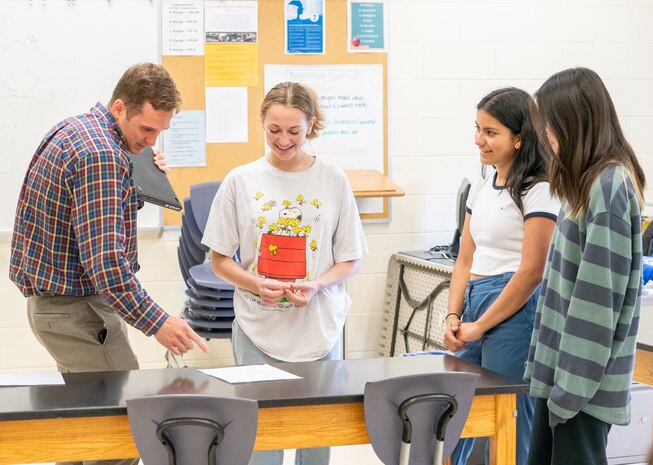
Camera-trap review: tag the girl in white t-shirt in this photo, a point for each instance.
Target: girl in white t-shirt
(294, 220)
(508, 227)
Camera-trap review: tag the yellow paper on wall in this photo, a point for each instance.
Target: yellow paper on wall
(231, 64)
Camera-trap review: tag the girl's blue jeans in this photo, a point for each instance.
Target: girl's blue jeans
(503, 349)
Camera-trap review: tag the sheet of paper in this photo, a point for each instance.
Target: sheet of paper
(182, 28)
(226, 114)
(231, 21)
(249, 373)
(305, 26)
(184, 143)
(31, 379)
(231, 64)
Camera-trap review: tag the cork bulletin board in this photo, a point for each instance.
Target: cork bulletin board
(188, 72)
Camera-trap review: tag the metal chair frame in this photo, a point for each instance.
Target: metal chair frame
(173, 422)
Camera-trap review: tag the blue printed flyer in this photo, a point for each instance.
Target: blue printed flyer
(305, 26)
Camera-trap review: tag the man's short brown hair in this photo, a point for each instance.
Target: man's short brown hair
(147, 82)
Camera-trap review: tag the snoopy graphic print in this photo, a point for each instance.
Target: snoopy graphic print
(285, 236)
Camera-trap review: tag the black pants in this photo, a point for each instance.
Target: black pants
(580, 441)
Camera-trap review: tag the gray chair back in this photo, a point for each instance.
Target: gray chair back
(194, 230)
(417, 419)
(193, 429)
(201, 198)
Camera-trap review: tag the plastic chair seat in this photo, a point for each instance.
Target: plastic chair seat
(203, 275)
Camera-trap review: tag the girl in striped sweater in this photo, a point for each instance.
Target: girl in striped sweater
(581, 358)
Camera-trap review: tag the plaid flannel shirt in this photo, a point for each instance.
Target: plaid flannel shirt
(75, 226)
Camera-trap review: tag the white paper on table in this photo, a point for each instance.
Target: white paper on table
(31, 379)
(249, 373)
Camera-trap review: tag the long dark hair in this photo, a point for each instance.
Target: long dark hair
(576, 107)
(510, 106)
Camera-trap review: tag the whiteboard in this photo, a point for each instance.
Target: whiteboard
(57, 59)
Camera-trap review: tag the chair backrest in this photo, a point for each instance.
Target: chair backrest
(201, 198)
(193, 429)
(198, 253)
(188, 255)
(189, 221)
(183, 266)
(405, 415)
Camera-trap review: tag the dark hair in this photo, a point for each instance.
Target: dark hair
(576, 107)
(510, 106)
(147, 82)
(293, 94)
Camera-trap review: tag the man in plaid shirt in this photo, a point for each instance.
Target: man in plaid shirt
(74, 250)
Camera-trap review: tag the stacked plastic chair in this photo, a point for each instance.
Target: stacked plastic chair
(209, 309)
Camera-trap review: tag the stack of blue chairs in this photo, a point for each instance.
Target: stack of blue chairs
(209, 309)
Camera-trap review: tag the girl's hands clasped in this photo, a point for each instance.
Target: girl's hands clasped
(301, 293)
(451, 327)
(272, 291)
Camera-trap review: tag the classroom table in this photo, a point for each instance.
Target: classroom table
(87, 418)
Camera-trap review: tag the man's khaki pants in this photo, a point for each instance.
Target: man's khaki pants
(82, 334)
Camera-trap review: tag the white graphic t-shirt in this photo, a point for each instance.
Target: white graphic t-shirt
(292, 227)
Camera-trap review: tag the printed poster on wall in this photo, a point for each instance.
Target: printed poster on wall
(184, 143)
(351, 97)
(231, 51)
(228, 21)
(366, 26)
(304, 26)
(182, 28)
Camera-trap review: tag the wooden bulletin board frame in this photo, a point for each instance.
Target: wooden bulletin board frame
(188, 72)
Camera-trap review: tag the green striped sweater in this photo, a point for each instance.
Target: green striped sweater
(583, 345)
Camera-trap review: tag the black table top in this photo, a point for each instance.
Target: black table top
(326, 382)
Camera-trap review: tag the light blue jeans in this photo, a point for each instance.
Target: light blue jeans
(246, 353)
(503, 349)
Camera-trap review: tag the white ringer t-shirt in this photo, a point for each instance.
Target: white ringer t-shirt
(497, 225)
